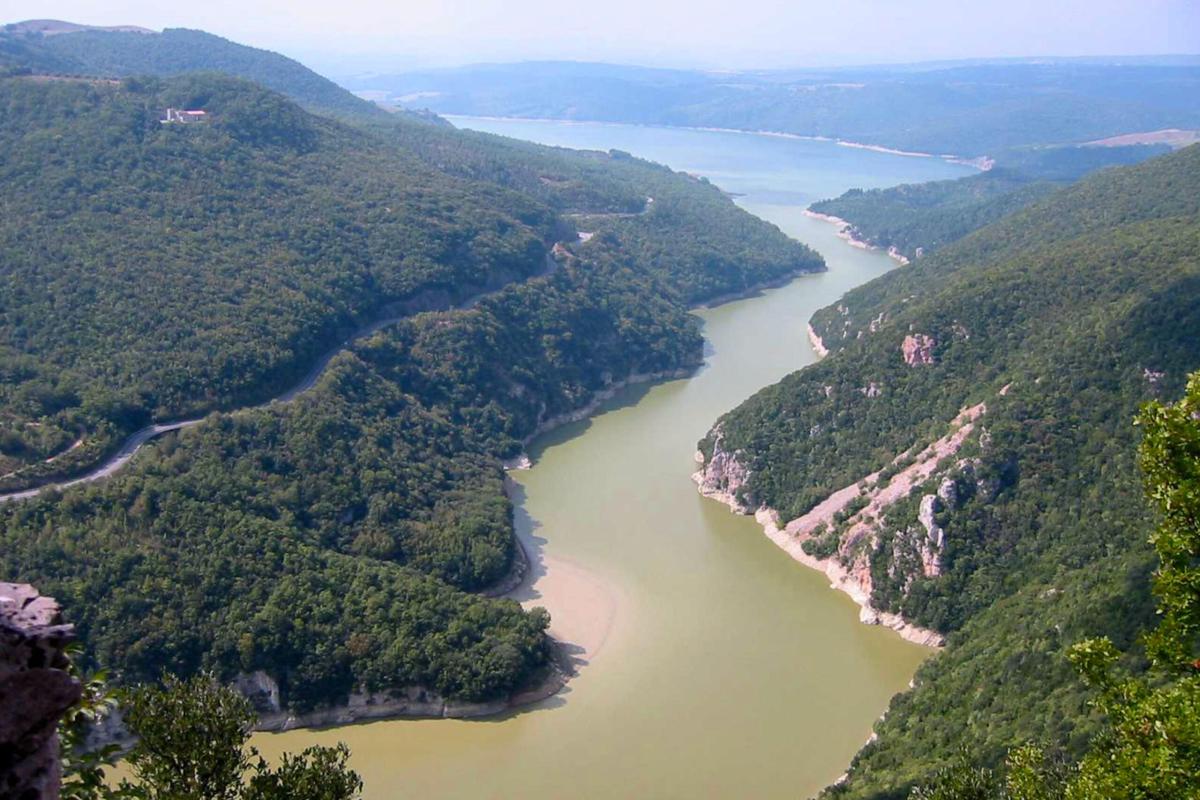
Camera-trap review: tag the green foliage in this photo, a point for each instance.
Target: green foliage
(961, 781)
(190, 739)
(1030, 776)
(917, 219)
(1150, 744)
(83, 768)
(1085, 305)
(1170, 458)
(331, 541)
(191, 745)
(317, 773)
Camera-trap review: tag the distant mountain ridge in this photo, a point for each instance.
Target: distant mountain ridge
(971, 109)
(64, 47)
(53, 27)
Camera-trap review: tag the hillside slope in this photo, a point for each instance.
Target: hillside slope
(913, 220)
(107, 53)
(338, 223)
(1024, 351)
(333, 542)
(154, 271)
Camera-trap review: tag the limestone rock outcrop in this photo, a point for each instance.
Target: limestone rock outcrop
(918, 349)
(858, 511)
(935, 535)
(260, 689)
(35, 691)
(722, 476)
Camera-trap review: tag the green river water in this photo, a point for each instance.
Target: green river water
(714, 665)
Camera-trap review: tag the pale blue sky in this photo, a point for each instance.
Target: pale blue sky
(714, 34)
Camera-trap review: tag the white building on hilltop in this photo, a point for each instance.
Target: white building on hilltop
(184, 116)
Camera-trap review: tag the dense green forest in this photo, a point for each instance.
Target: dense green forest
(417, 214)
(207, 266)
(335, 541)
(963, 109)
(1063, 318)
(1149, 742)
(916, 219)
(175, 51)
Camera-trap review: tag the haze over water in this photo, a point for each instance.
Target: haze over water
(728, 669)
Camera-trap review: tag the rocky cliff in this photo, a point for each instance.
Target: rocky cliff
(35, 691)
(843, 535)
(722, 476)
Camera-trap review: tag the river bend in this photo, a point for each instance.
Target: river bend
(713, 665)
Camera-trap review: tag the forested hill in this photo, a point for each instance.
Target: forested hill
(963, 109)
(207, 265)
(155, 270)
(916, 219)
(334, 542)
(1060, 320)
(174, 51)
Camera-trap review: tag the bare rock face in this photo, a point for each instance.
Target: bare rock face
(918, 349)
(935, 536)
(947, 492)
(1154, 378)
(261, 690)
(35, 691)
(722, 476)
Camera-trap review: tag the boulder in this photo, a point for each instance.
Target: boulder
(36, 690)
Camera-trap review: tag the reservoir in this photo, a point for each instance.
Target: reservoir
(711, 664)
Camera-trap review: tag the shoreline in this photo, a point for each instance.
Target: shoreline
(522, 461)
(843, 580)
(721, 476)
(981, 163)
(844, 232)
(756, 289)
(818, 344)
(517, 571)
(523, 578)
(840, 578)
(421, 703)
(414, 702)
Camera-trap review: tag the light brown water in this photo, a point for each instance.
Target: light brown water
(721, 668)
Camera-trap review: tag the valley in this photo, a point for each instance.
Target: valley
(690, 625)
(826, 431)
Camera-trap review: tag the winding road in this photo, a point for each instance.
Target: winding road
(136, 440)
(131, 445)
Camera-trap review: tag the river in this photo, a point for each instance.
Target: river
(715, 666)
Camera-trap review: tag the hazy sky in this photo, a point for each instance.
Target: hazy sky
(343, 35)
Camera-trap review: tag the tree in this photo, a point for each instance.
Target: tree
(192, 745)
(1151, 746)
(83, 767)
